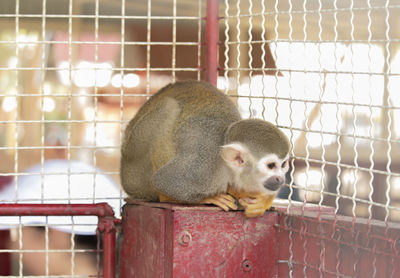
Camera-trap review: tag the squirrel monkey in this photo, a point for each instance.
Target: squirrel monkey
(188, 144)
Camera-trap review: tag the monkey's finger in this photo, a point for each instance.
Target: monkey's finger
(216, 202)
(227, 200)
(230, 203)
(250, 200)
(221, 205)
(245, 202)
(227, 197)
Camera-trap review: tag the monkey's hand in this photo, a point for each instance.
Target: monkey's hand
(223, 201)
(256, 206)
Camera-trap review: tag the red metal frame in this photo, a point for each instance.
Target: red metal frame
(5, 259)
(212, 41)
(333, 246)
(103, 211)
(170, 240)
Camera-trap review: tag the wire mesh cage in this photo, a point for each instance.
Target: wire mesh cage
(326, 72)
(331, 86)
(332, 90)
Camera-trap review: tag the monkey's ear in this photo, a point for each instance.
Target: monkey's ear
(235, 155)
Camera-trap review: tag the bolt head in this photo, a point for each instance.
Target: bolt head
(185, 238)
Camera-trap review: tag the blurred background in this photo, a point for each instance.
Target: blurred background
(74, 72)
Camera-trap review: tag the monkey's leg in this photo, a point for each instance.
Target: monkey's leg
(183, 181)
(143, 136)
(256, 206)
(223, 201)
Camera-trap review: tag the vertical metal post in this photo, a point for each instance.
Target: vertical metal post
(212, 42)
(5, 258)
(108, 248)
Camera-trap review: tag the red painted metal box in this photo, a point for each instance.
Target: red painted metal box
(164, 240)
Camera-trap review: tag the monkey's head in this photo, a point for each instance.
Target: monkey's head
(257, 152)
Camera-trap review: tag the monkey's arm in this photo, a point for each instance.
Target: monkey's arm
(255, 204)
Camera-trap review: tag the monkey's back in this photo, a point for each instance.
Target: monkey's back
(195, 99)
(187, 118)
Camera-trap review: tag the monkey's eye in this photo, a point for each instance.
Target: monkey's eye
(271, 165)
(284, 164)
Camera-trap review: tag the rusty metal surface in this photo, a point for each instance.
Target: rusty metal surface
(168, 240)
(337, 248)
(146, 235)
(160, 242)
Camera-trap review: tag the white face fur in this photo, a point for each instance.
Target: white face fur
(263, 176)
(269, 166)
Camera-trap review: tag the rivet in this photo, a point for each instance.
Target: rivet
(185, 238)
(247, 265)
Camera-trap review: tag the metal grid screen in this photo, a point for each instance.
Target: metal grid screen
(327, 73)
(74, 72)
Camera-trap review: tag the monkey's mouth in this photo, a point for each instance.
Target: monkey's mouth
(273, 183)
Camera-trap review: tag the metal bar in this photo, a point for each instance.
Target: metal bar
(212, 42)
(99, 209)
(5, 259)
(102, 210)
(108, 247)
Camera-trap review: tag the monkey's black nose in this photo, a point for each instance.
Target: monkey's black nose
(273, 183)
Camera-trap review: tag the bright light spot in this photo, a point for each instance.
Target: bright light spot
(311, 183)
(83, 100)
(316, 140)
(222, 83)
(12, 62)
(395, 187)
(89, 113)
(63, 73)
(311, 179)
(116, 80)
(48, 104)
(131, 80)
(47, 89)
(355, 181)
(102, 137)
(26, 40)
(86, 74)
(90, 74)
(349, 177)
(9, 104)
(394, 84)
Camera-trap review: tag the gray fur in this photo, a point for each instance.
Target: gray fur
(259, 136)
(172, 146)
